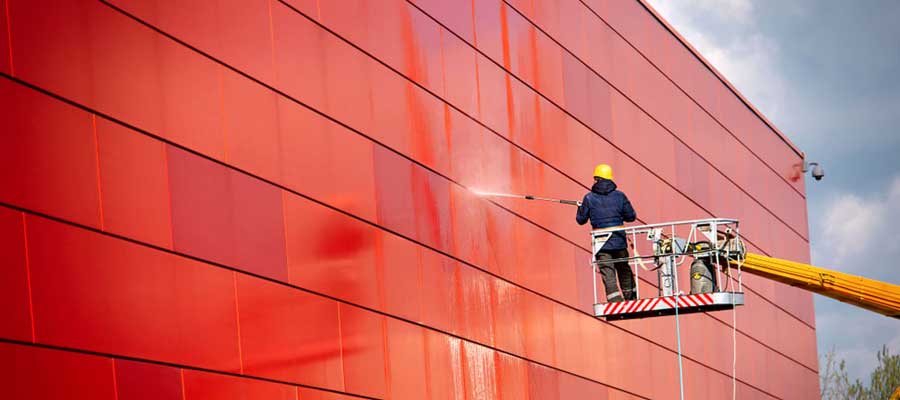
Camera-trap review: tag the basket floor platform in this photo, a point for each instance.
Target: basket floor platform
(661, 306)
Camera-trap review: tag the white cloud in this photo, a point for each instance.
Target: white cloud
(858, 232)
(748, 59)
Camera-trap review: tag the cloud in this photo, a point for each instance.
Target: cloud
(748, 58)
(731, 11)
(858, 233)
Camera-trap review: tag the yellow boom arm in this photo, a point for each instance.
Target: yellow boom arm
(881, 297)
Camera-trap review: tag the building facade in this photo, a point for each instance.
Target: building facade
(268, 199)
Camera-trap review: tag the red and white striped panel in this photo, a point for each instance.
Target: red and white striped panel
(656, 303)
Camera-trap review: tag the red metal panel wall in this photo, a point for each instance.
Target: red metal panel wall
(267, 199)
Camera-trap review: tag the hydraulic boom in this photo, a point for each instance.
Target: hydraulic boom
(880, 297)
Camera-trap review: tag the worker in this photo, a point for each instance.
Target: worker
(607, 207)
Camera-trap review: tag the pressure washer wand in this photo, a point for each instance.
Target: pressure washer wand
(527, 197)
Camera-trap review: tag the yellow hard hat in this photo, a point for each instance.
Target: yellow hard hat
(603, 171)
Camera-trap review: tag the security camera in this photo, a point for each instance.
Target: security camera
(818, 173)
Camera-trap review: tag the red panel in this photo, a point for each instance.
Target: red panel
(523, 117)
(573, 387)
(14, 296)
(456, 16)
(567, 342)
(135, 184)
(49, 48)
(320, 159)
(391, 118)
(181, 21)
(245, 31)
(562, 268)
(429, 138)
(348, 82)
(145, 381)
(312, 394)
(525, 7)
(508, 317)
(204, 385)
(500, 226)
(465, 149)
(308, 7)
(226, 216)
(600, 105)
(468, 225)
(191, 98)
(546, 16)
(398, 258)
(549, 80)
(538, 339)
(621, 72)
(531, 250)
(443, 366)
(330, 253)
(347, 18)
(584, 280)
(251, 126)
(476, 311)
(431, 194)
(406, 345)
(422, 42)
(460, 73)
(575, 87)
(289, 335)
(488, 27)
(479, 373)
(492, 100)
(512, 377)
(571, 16)
(37, 373)
(363, 340)
(299, 49)
(662, 363)
(440, 299)
(394, 192)
(598, 54)
(125, 67)
(389, 21)
(543, 382)
(5, 62)
(521, 37)
(104, 294)
(48, 158)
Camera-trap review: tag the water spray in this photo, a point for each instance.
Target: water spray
(525, 197)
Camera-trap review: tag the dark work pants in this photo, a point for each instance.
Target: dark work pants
(610, 270)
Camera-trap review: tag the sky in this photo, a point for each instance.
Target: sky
(827, 74)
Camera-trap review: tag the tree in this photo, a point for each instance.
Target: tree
(883, 381)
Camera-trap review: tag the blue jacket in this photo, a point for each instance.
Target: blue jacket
(605, 206)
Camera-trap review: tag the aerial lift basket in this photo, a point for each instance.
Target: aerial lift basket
(710, 244)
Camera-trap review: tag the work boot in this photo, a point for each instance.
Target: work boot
(614, 297)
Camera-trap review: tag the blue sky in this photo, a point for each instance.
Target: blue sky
(827, 73)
